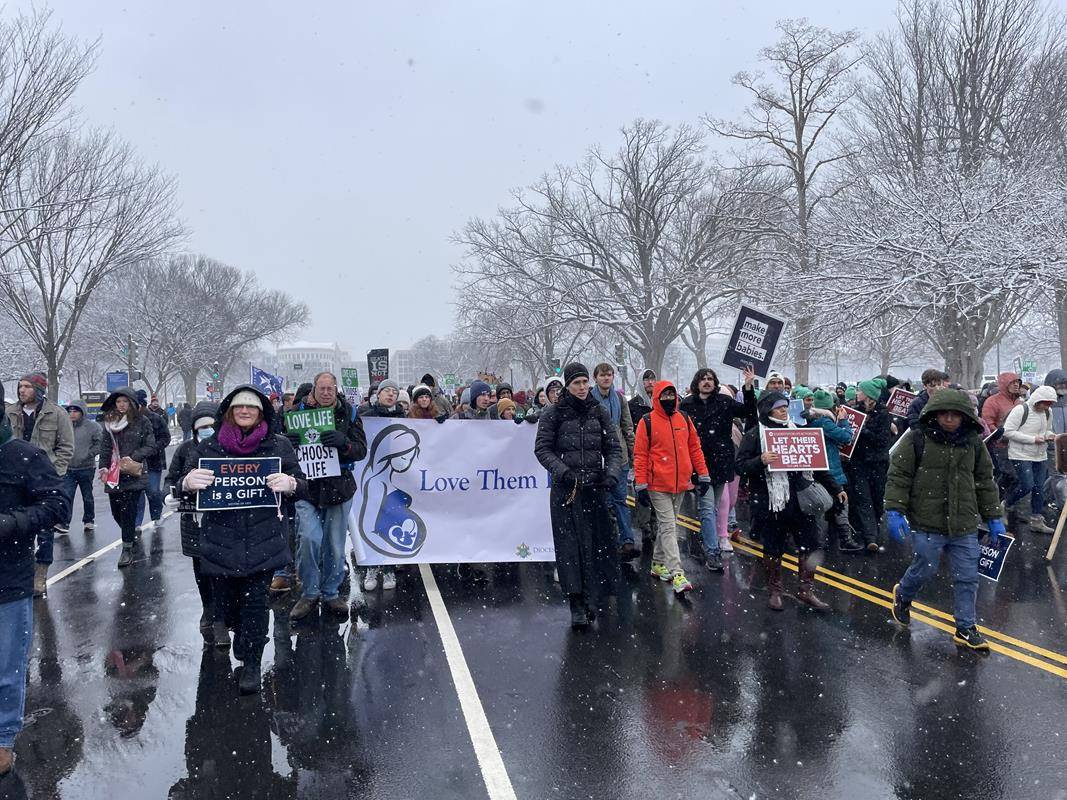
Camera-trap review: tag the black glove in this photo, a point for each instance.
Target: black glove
(294, 438)
(644, 498)
(610, 482)
(441, 418)
(334, 439)
(9, 526)
(568, 480)
(702, 488)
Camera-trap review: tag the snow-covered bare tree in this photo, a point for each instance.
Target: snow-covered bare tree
(103, 213)
(789, 126)
(637, 241)
(40, 68)
(961, 123)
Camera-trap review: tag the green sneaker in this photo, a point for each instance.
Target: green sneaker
(661, 572)
(682, 584)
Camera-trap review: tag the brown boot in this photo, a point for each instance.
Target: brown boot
(7, 760)
(806, 595)
(773, 568)
(40, 579)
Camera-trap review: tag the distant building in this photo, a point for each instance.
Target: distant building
(402, 367)
(300, 362)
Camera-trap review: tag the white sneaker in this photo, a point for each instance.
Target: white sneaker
(61, 528)
(388, 579)
(370, 580)
(725, 545)
(90, 526)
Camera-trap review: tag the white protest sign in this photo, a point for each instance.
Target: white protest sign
(462, 491)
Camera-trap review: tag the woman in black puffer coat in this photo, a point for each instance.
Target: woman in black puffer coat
(126, 444)
(185, 459)
(240, 549)
(579, 445)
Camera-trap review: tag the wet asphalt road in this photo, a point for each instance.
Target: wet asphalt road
(713, 696)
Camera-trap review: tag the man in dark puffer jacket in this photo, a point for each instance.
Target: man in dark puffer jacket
(32, 499)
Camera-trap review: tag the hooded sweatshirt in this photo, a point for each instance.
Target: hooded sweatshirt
(1059, 410)
(1022, 436)
(666, 457)
(87, 434)
(996, 407)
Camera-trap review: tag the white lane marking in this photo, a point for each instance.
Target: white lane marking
(497, 782)
(89, 559)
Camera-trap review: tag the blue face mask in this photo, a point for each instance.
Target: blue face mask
(204, 433)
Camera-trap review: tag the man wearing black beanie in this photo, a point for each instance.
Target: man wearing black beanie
(32, 499)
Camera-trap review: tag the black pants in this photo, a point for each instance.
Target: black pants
(866, 498)
(124, 510)
(775, 527)
(204, 585)
(245, 597)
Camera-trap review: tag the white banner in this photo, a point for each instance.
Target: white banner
(444, 493)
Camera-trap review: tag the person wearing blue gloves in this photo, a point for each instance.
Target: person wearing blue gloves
(941, 481)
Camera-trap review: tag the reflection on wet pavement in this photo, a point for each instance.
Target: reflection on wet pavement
(706, 697)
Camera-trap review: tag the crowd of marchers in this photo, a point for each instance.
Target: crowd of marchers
(957, 468)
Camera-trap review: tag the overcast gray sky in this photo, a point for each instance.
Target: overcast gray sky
(334, 147)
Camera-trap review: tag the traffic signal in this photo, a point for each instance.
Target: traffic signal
(620, 353)
(134, 356)
(215, 371)
(555, 366)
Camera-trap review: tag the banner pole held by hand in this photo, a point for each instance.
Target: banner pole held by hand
(1056, 536)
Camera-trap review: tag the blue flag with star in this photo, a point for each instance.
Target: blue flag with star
(265, 382)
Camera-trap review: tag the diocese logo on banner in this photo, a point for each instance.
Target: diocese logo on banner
(460, 492)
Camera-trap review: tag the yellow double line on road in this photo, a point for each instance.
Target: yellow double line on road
(1026, 653)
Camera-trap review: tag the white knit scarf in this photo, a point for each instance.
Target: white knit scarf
(778, 482)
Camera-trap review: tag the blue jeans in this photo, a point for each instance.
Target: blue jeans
(320, 558)
(617, 500)
(963, 552)
(1030, 479)
(16, 635)
(74, 480)
(155, 497)
(708, 508)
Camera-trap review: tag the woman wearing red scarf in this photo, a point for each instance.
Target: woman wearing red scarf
(242, 548)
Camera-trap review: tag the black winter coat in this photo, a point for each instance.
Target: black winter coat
(750, 465)
(185, 459)
(339, 489)
(714, 421)
(874, 441)
(578, 436)
(246, 541)
(136, 440)
(32, 499)
(157, 462)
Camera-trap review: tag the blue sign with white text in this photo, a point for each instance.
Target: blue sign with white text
(239, 483)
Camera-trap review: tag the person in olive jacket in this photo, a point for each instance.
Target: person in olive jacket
(241, 548)
(941, 482)
(126, 444)
(32, 499)
(579, 446)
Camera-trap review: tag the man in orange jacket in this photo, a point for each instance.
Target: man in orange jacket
(667, 453)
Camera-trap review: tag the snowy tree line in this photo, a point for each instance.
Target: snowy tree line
(904, 195)
(89, 240)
